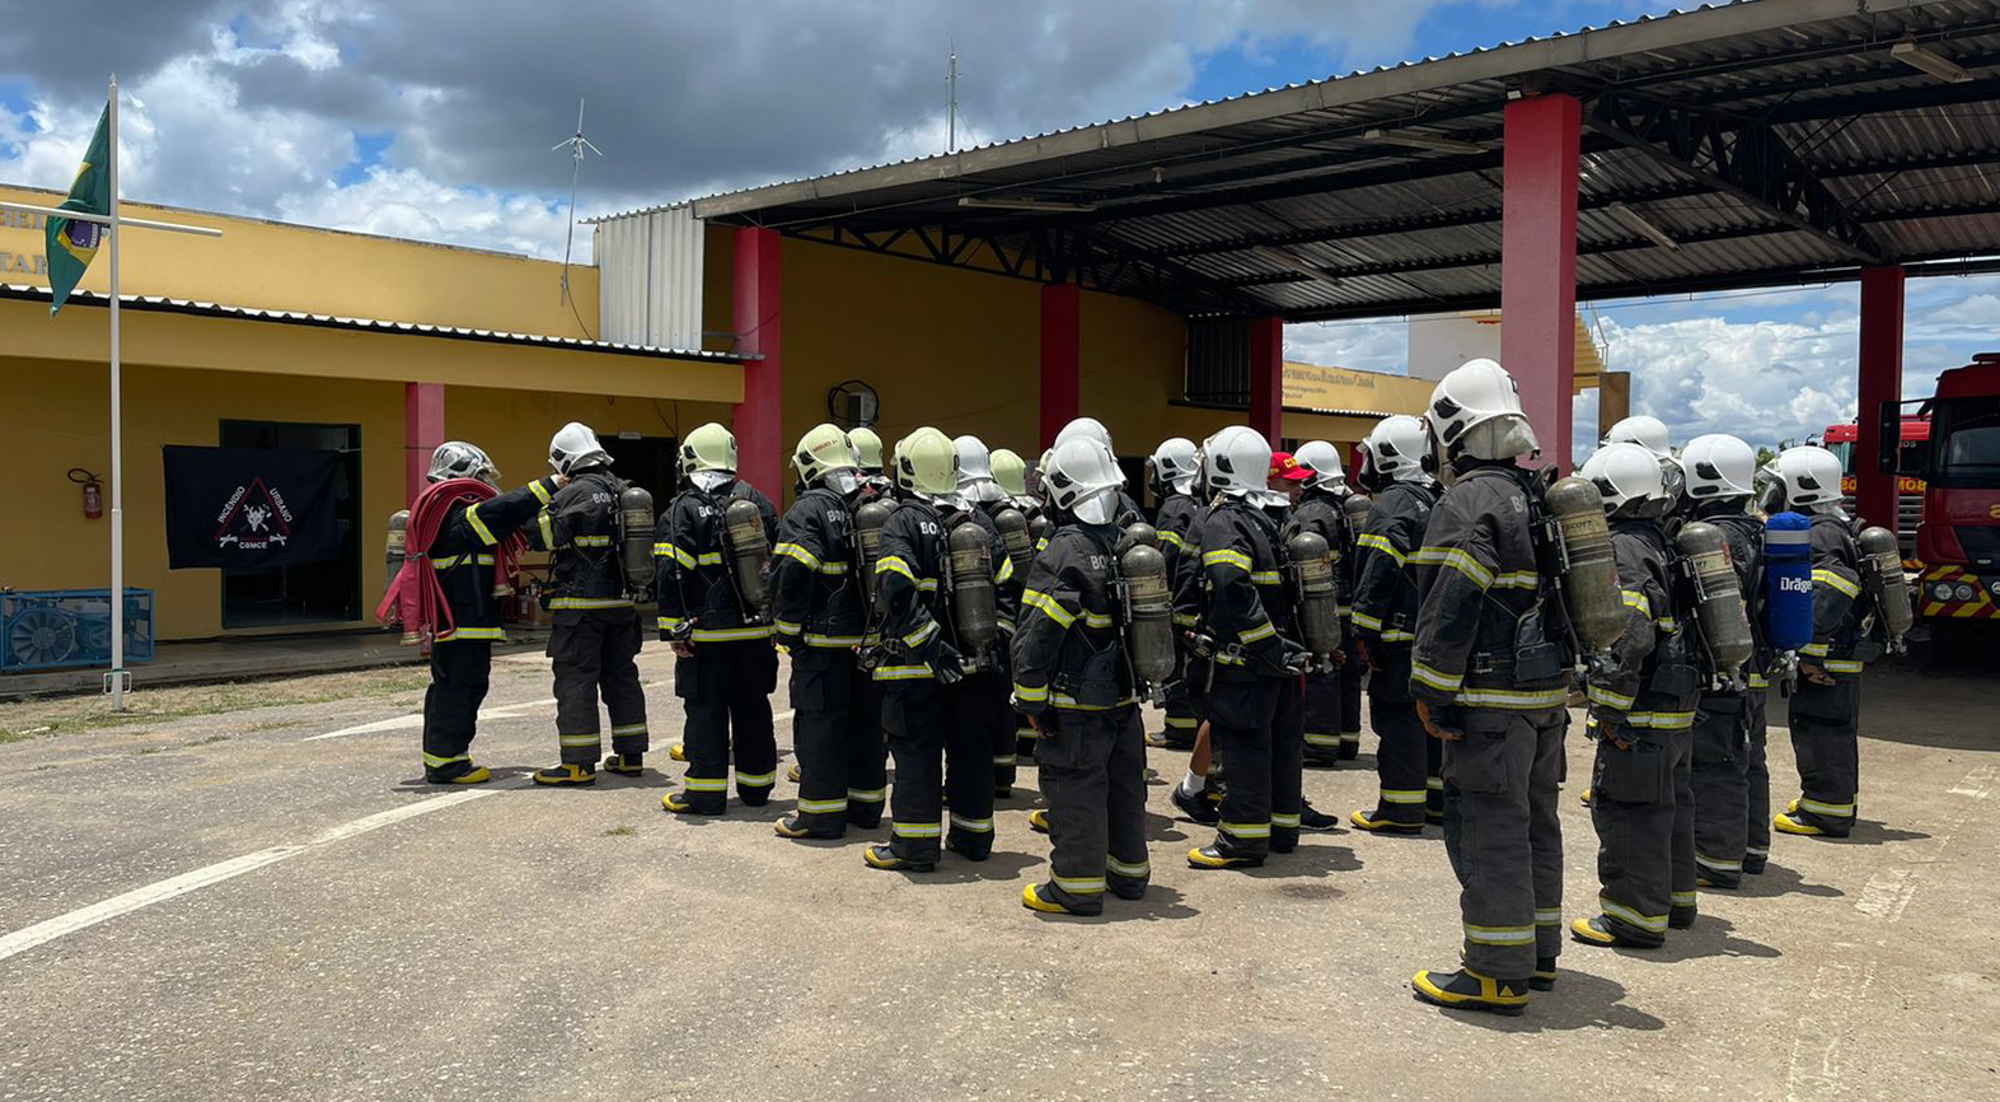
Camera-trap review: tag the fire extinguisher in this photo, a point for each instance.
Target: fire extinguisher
(93, 492)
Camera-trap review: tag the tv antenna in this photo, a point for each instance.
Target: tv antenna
(576, 144)
(951, 103)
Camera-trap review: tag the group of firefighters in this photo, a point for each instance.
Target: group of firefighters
(960, 613)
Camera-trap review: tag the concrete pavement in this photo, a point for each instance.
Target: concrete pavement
(237, 905)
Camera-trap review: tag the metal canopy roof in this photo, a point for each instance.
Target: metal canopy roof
(1761, 143)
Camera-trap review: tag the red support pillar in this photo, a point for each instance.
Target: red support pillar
(1881, 381)
(760, 445)
(423, 431)
(1538, 262)
(1267, 378)
(1062, 357)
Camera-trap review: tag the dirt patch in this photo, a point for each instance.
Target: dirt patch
(68, 715)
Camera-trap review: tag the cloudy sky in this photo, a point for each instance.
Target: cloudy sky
(433, 120)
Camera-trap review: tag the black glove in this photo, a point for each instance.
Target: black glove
(947, 664)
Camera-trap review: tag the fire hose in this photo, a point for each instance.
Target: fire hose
(416, 597)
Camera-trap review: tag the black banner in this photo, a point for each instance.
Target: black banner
(250, 506)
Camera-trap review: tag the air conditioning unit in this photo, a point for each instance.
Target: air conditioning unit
(53, 629)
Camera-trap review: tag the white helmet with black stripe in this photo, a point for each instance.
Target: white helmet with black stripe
(1628, 478)
(1393, 451)
(1236, 462)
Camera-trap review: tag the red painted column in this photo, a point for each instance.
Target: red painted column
(423, 431)
(1267, 378)
(1062, 357)
(760, 444)
(1538, 262)
(1881, 381)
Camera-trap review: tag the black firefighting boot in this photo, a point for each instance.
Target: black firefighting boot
(792, 827)
(1375, 822)
(684, 803)
(1681, 916)
(1544, 978)
(1315, 820)
(1212, 857)
(625, 765)
(1197, 807)
(1468, 990)
(1045, 899)
(567, 774)
(1596, 931)
(476, 774)
(885, 857)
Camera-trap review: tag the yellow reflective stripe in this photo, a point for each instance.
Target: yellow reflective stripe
(592, 541)
(794, 551)
(589, 602)
(1816, 650)
(436, 762)
(453, 560)
(903, 673)
(1285, 820)
(1637, 601)
(1842, 665)
(1172, 540)
(1436, 679)
(496, 634)
(1662, 721)
(868, 795)
(486, 535)
(1097, 619)
(756, 780)
(1266, 577)
(669, 623)
(673, 551)
(706, 784)
(1031, 693)
(1654, 923)
(1363, 620)
(786, 627)
(708, 558)
(1127, 868)
(814, 639)
(1381, 543)
(1187, 619)
(1759, 681)
(731, 635)
(894, 564)
(1245, 830)
(1722, 864)
(920, 636)
(1390, 635)
(822, 807)
(966, 822)
(540, 491)
(1049, 606)
(1833, 578)
(1821, 807)
(1226, 557)
(1006, 571)
(1512, 698)
(1089, 885)
(1459, 560)
(1404, 795)
(1600, 695)
(1261, 631)
(917, 830)
(1070, 704)
(548, 530)
(629, 729)
(1519, 579)
(1548, 916)
(1499, 935)
(587, 738)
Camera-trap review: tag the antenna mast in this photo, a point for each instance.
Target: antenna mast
(951, 103)
(576, 144)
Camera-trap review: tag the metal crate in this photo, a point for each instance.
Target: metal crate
(58, 628)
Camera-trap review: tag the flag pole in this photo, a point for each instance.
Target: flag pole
(117, 675)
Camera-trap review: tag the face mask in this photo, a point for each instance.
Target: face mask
(1098, 508)
(843, 481)
(710, 481)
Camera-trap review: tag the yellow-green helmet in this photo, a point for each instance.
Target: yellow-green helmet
(867, 448)
(1010, 471)
(709, 448)
(926, 463)
(820, 450)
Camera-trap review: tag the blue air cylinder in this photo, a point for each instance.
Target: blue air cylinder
(1788, 611)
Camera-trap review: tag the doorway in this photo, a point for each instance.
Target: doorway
(308, 593)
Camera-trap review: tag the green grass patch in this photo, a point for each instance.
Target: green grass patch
(621, 832)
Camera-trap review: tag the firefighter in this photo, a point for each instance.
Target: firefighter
(1072, 673)
(462, 657)
(1010, 471)
(1253, 701)
(982, 499)
(868, 458)
(1170, 474)
(1651, 434)
(1090, 428)
(1641, 715)
(1317, 471)
(1826, 707)
(726, 668)
(595, 636)
(1729, 729)
(1496, 699)
(1385, 618)
(938, 741)
(819, 619)
(1198, 794)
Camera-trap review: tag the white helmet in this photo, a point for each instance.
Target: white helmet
(1719, 466)
(975, 470)
(1629, 478)
(1649, 433)
(709, 448)
(1236, 461)
(1082, 478)
(1811, 475)
(1174, 464)
(1088, 428)
(574, 447)
(458, 459)
(1323, 460)
(1476, 410)
(1393, 451)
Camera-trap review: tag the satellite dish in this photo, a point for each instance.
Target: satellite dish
(853, 404)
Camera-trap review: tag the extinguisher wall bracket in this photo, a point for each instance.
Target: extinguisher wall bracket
(93, 492)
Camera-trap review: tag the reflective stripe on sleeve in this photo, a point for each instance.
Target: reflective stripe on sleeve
(1823, 576)
(1458, 559)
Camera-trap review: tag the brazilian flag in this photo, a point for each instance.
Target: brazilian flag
(73, 244)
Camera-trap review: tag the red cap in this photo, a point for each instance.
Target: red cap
(1285, 467)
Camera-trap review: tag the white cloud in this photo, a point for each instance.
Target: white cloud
(407, 203)
(1366, 345)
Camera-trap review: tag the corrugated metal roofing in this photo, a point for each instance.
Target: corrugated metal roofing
(1185, 206)
(32, 293)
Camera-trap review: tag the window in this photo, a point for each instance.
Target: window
(1967, 441)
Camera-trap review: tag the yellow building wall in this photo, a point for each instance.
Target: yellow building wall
(276, 266)
(514, 426)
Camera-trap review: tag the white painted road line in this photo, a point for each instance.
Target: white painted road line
(416, 719)
(41, 933)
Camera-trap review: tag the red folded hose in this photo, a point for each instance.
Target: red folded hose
(416, 598)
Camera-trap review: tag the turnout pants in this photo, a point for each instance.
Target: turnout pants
(1504, 838)
(1825, 728)
(1323, 716)
(1181, 725)
(1352, 672)
(839, 743)
(1093, 771)
(726, 691)
(941, 748)
(460, 670)
(1258, 728)
(1405, 759)
(1722, 787)
(1642, 807)
(1002, 726)
(594, 652)
(1757, 784)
